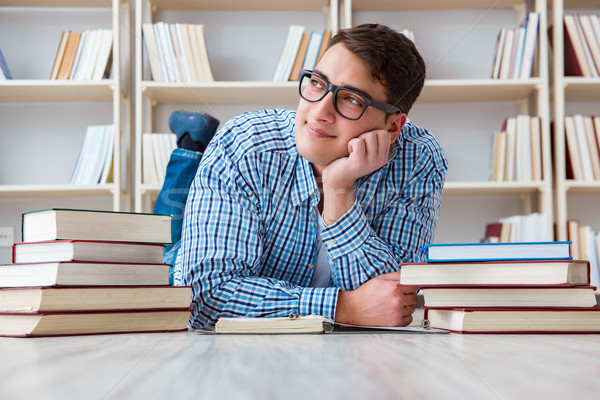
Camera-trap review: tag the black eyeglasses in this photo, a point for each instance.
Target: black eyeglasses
(349, 103)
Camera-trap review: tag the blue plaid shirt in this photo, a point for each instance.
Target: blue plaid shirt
(249, 235)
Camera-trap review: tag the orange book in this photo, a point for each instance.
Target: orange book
(294, 75)
(69, 55)
(59, 55)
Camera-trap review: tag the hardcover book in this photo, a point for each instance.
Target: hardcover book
(559, 297)
(86, 298)
(498, 320)
(83, 274)
(114, 226)
(497, 251)
(87, 250)
(85, 323)
(497, 273)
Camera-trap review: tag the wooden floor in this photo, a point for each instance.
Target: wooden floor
(189, 365)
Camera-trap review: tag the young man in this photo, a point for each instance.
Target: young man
(310, 211)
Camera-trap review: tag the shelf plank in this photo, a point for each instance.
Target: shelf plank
(241, 5)
(57, 3)
(381, 5)
(492, 188)
(582, 89)
(45, 90)
(582, 187)
(230, 92)
(65, 190)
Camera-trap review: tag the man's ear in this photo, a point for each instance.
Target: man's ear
(395, 124)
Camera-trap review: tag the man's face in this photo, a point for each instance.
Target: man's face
(322, 135)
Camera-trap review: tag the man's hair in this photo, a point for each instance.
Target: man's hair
(391, 58)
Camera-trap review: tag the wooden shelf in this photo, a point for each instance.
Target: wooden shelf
(45, 90)
(241, 5)
(435, 90)
(57, 3)
(65, 190)
(581, 89)
(492, 188)
(381, 5)
(582, 187)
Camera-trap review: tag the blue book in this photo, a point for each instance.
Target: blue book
(497, 251)
(4, 66)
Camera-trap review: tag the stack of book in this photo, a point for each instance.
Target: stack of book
(582, 45)
(177, 52)
(515, 49)
(517, 150)
(505, 288)
(88, 272)
(302, 50)
(582, 137)
(84, 55)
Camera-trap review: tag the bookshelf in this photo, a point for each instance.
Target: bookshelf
(155, 100)
(458, 79)
(571, 95)
(32, 90)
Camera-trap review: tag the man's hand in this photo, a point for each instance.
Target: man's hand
(367, 153)
(377, 302)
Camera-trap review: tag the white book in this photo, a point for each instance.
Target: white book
(95, 51)
(523, 148)
(511, 137)
(586, 48)
(169, 52)
(518, 51)
(593, 257)
(159, 161)
(506, 54)
(81, 158)
(498, 55)
(584, 151)
(532, 27)
(92, 158)
(592, 37)
(104, 50)
(148, 162)
(162, 51)
(312, 51)
(86, 54)
(184, 52)
(152, 52)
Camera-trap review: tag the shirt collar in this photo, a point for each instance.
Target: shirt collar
(304, 183)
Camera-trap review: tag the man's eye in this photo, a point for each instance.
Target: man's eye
(317, 84)
(354, 100)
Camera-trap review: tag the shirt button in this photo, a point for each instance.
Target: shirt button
(310, 266)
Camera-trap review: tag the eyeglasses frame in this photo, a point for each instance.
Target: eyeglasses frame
(385, 107)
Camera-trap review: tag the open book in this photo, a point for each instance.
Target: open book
(305, 324)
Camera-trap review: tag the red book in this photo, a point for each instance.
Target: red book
(506, 320)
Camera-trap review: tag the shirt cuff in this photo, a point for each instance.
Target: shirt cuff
(348, 233)
(319, 301)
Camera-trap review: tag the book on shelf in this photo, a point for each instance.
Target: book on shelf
(497, 273)
(87, 250)
(509, 297)
(73, 273)
(87, 298)
(4, 70)
(288, 53)
(497, 251)
(523, 320)
(526, 228)
(95, 157)
(582, 147)
(92, 322)
(590, 26)
(515, 49)
(81, 224)
(62, 44)
(312, 51)
(176, 52)
(299, 60)
(577, 56)
(85, 55)
(585, 243)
